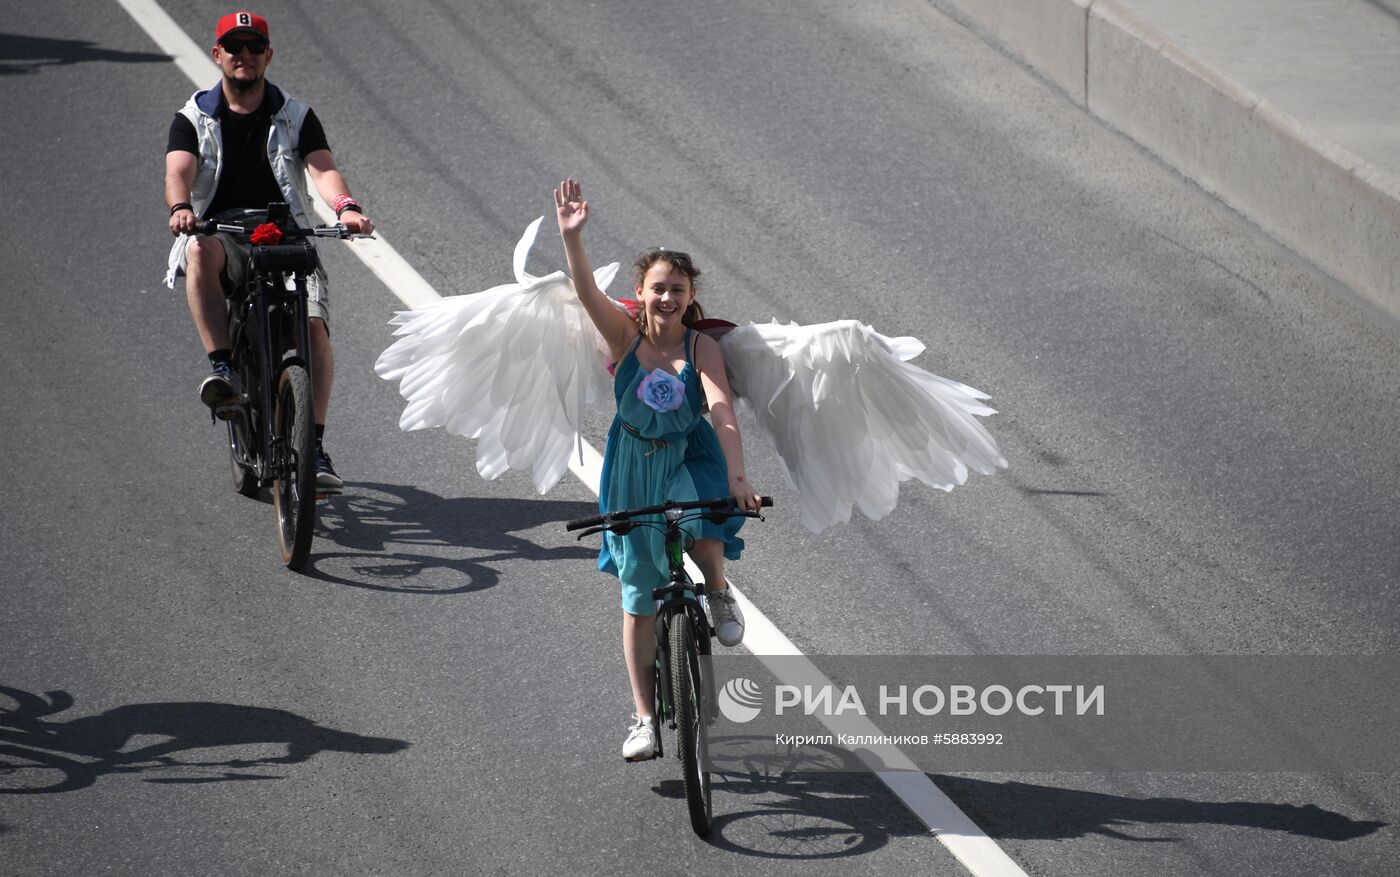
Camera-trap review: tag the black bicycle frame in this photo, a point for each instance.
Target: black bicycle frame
(680, 596)
(274, 321)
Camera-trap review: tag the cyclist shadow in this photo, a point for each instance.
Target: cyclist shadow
(406, 540)
(822, 802)
(818, 802)
(1027, 811)
(42, 756)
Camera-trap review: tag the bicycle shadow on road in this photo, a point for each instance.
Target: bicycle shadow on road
(451, 543)
(42, 756)
(1024, 811)
(817, 802)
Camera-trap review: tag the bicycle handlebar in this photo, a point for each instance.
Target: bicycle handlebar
(214, 226)
(718, 505)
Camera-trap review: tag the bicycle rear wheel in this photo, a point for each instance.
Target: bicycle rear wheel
(692, 734)
(294, 490)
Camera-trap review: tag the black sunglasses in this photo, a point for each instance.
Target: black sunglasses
(234, 46)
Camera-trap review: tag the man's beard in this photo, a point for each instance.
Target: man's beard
(243, 86)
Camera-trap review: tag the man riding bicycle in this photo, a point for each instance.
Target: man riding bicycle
(243, 145)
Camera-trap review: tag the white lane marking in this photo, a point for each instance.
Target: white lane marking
(382, 260)
(963, 838)
(189, 57)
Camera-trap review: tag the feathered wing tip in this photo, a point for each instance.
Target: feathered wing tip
(851, 418)
(511, 367)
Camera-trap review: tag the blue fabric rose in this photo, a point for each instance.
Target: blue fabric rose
(661, 391)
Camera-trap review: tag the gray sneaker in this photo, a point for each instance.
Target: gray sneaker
(640, 744)
(726, 616)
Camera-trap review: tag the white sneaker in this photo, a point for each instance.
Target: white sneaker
(640, 744)
(726, 617)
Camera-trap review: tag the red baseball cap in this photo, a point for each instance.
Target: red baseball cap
(236, 21)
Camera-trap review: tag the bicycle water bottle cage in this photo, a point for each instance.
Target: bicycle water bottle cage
(297, 258)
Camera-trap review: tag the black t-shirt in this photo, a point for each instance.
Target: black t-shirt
(246, 180)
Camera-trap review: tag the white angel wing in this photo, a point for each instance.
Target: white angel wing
(511, 367)
(851, 418)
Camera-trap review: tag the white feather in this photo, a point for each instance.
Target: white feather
(851, 418)
(512, 367)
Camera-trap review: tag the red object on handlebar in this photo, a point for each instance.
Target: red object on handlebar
(267, 233)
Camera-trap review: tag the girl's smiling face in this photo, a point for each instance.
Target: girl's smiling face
(665, 292)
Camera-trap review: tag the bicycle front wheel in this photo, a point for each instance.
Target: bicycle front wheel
(692, 734)
(294, 490)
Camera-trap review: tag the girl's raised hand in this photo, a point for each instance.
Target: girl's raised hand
(570, 206)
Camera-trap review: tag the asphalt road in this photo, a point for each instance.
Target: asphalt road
(1200, 429)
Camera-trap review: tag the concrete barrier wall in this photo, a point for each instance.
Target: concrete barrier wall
(1049, 35)
(1330, 206)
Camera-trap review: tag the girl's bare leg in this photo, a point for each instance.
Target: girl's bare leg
(639, 649)
(708, 555)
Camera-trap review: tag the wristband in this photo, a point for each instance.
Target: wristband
(343, 203)
(183, 205)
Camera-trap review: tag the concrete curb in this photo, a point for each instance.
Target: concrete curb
(1332, 207)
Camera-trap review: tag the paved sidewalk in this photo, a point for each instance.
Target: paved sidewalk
(1288, 110)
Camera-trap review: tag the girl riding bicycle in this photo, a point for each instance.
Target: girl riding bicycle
(660, 446)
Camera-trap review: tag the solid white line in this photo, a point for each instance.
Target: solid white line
(963, 838)
(189, 57)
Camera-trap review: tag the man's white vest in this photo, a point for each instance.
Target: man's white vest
(283, 137)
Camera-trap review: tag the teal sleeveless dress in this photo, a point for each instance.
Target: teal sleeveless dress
(652, 456)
